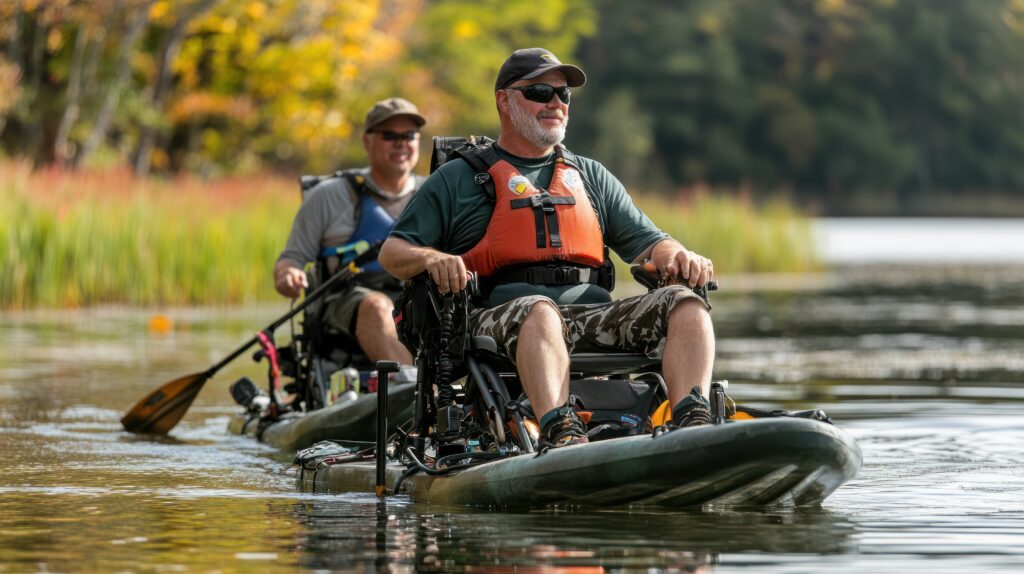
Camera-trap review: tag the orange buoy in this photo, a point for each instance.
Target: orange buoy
(160, 324)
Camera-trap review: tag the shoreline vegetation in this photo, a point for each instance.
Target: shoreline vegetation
(84, 238)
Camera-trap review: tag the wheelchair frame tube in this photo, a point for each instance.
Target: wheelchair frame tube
(482, 386)
(495, 381)
(419, 430)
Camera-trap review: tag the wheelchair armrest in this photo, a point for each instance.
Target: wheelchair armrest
(648, 276)
(484, 343)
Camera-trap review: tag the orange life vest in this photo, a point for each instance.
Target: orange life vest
(531, 225)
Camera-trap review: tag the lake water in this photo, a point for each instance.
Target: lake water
(923, 365)
(941, 241)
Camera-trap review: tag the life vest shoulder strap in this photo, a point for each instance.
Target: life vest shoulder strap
(570, 159)
(356, 182)
(480, 157)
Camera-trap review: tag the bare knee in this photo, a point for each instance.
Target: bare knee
(690, 315)
(544, 316)
(543, 328)
(375, 309)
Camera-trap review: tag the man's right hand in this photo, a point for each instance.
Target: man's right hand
(405, 261)
(290, 281)
(447, 271)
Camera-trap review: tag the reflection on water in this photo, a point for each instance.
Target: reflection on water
(927, 374)
(439, 538)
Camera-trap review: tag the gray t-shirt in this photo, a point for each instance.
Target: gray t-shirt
(326, 217)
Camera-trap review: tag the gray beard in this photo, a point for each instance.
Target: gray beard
(529, 127)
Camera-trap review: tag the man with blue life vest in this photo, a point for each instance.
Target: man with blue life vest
(355, 207)
(532, 220)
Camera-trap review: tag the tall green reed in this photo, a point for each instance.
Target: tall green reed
(739, 235)
(119, 240)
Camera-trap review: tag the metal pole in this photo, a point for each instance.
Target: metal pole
(384, 368)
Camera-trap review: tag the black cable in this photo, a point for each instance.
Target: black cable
(408, 472)
(445, 367)
(444, 463)
(418, 466)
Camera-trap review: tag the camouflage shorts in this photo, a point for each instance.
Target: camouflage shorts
(634, 324)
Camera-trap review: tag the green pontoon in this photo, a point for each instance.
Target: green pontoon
(352, 418)
(772, 461)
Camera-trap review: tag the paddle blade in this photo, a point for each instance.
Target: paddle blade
(161, 409)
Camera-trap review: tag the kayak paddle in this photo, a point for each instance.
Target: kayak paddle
(161, 409)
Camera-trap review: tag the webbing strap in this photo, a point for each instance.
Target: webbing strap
(481, 158)
(550, 275)
(543, 205)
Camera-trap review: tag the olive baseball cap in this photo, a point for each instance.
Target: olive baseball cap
(391, 107)
(529, 63)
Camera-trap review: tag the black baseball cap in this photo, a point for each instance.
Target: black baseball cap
(529, 63)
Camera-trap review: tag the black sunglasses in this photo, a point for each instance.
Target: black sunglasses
(542, 93)
(390, 136)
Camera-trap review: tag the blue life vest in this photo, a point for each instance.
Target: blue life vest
(373, 226)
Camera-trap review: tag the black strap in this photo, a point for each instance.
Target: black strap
(308, 182)
(567, 157)
(356, 181)
(549, 275)
(543, 205)
(481, 158)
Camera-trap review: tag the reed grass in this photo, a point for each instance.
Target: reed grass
(71, 239)
(75, 239)
(738, 234)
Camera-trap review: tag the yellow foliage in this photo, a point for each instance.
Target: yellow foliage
(228, 26)
(465, 29)
(349, 71)
(250, 42)
(160, 10)
(256, 10)
(54, 40)
(295, 77)
(351, 51)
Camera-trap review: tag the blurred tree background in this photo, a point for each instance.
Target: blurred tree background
(868, 106)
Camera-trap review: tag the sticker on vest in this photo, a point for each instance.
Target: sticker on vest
(518, 184)
(572, 180)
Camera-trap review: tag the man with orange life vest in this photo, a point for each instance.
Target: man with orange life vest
(532, 220)
(359, 205)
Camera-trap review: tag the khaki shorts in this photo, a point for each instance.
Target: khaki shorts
(341, 312)
(633, 325)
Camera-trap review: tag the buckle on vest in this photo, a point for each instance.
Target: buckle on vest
(481, 178)
(570, 275)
